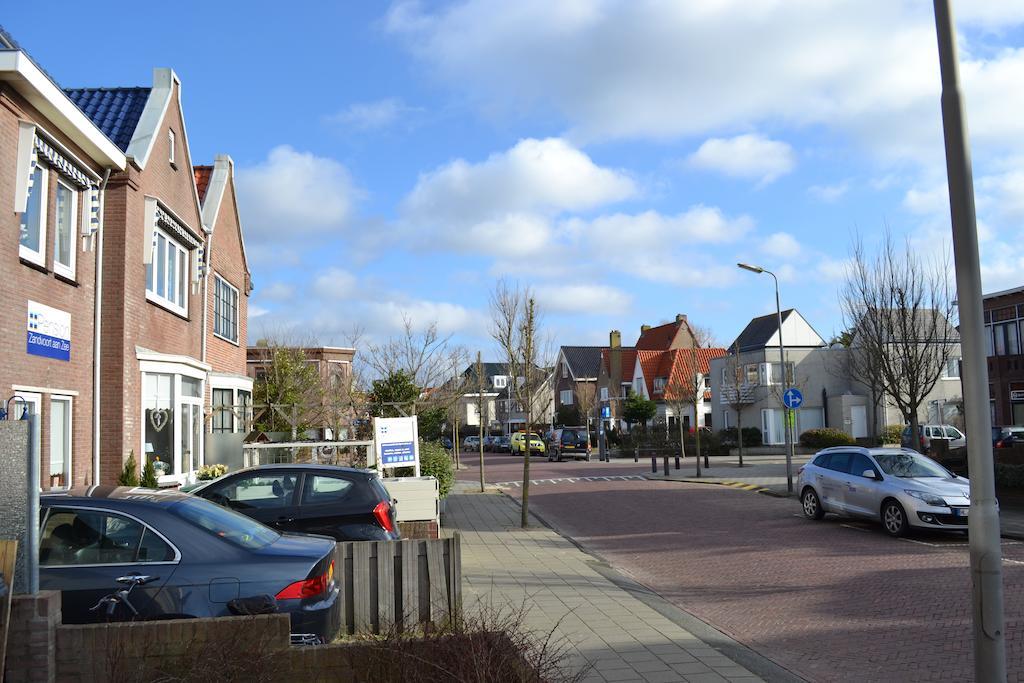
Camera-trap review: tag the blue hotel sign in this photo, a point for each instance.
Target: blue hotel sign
(48, 332)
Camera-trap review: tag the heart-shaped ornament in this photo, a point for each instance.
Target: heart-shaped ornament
(159, 418)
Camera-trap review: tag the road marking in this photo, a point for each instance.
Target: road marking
(570, 480)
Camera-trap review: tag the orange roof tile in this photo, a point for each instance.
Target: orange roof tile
(675, 365)
(202, 174)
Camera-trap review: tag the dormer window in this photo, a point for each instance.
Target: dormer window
(659, 384)
(170, 147)
(500, 381)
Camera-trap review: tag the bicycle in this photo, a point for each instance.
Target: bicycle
(120, 597)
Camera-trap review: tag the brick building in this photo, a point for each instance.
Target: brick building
(1004, 313)
(53, 162)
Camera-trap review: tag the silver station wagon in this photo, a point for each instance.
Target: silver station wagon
(897, 486)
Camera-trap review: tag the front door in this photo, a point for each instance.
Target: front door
(191, 433)
(859, 421)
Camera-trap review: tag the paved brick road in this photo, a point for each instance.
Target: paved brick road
(832, 601)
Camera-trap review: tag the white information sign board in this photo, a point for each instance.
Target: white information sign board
(397, 443)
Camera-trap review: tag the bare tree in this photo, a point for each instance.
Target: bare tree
(514, 326)
(899, 307)
(680, 393)
(481, 412)
(586, 400)
(737, 393)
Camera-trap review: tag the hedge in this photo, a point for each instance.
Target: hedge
(892, 434)
(823, 438)
(1009, 476)
(730, 437)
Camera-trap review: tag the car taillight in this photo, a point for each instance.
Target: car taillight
(308, 588)
(1001, 444)
(383, 515)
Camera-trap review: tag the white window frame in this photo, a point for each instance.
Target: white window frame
(500, 381)
(176, 370)
(69, 437)
(659, 384)
(768, 428)
(219, 281)
(604, 393)
(952, 364)
(170, 147)
(565, 370)
(565, 397)
(183, 283)
(31, 255)
(68, 269)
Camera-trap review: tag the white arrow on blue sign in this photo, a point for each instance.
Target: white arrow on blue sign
(792, 398)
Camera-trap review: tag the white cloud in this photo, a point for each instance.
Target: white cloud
(277, 291)
(256, 311)
(535, 175)
(656, 70)
(294, 194)
(364, 116)
(745, 156)
(390, 316)
(583, 298)
(781, 244)
(653, 231)
(927, 201)
(334, 284)
(829, 193)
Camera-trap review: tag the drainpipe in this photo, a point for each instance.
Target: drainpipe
(97, 337)
(206, 287)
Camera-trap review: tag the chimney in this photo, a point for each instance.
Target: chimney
(615, 361)
(644, 328)
(680, 318)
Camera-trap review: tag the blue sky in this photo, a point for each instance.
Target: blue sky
(395, 159)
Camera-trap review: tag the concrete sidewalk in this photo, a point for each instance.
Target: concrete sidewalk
(608, 626)
(767, 474)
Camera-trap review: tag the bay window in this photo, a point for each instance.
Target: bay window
(172, 412)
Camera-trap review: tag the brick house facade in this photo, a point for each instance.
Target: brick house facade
(1004, 313)
(52, 164)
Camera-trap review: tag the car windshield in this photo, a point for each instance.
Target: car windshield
(223, 523)
(908, 465)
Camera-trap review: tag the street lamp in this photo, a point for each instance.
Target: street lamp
(785, 381)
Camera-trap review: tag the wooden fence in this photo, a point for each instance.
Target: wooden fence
(408, 582)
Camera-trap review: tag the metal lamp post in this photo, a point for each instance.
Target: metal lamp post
(785, 380)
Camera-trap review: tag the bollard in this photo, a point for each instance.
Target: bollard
(636, 454)
(654, 464)
(666, 465)
(677, 461)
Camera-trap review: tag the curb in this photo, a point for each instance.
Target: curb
(754, 488)
(747, 657)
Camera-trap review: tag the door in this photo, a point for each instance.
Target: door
(833, 482)
(336, 506)
(859, 421)
(267, 496)
(862, 495)
(82, 553)
(191, 427)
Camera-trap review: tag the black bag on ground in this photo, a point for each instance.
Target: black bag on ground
(257, 604)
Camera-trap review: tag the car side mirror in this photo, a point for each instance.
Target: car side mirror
(869, 474)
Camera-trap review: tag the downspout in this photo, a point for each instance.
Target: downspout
(97, 337)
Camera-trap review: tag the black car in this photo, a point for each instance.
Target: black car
(502, 444)
(569, 442)
(344, 503)
(199, 556)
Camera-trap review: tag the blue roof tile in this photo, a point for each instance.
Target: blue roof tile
(115, 111)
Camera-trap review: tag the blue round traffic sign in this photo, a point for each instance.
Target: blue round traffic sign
(792, 398)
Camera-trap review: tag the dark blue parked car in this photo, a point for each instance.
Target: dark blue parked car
(204, 555)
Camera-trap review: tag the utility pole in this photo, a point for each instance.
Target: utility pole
(480, 412)
(983, 521)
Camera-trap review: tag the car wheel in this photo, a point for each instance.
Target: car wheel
(811, 504)
(894, 519)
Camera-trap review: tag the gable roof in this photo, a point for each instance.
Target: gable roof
(663, 336)
(674, 364)
(759, 331)
(202, 174)
(584, 361)
(115, 111)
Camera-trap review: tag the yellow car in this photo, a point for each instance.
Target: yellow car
(519, 444)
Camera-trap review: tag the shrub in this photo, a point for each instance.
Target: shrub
(207, 472)
(129, 475)
(730, 437)
(435, 462)
(1009, 476)
(892, 434)
(149, 476)
(823, 438)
